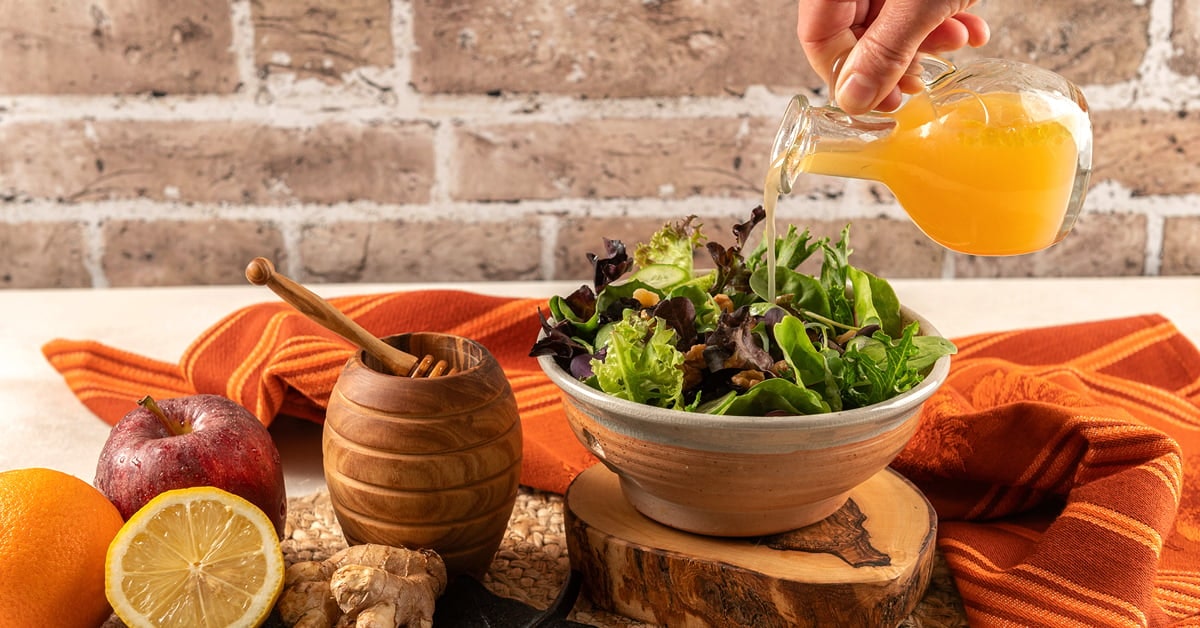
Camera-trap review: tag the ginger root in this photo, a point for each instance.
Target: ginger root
(364, 586)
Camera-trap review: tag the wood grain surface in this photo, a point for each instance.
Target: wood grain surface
(866, 565)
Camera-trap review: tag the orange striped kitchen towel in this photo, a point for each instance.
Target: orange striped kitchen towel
(1062, 461)
(274, 361)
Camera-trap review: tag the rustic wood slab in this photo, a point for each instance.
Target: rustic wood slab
(866, 565)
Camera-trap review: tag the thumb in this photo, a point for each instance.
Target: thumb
(885, 51)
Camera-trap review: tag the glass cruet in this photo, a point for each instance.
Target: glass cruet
(991, 158)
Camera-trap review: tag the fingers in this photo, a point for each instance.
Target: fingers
(827, 30)
(910, 83)
(949, 35)
(871, 71)
(892, 101)
(866, 49)
(891, 42)
(886, 50)
(978, 32)
(961, 30)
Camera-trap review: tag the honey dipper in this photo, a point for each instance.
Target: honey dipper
(261, 272)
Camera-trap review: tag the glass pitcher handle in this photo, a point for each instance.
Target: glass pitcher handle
(934, 69)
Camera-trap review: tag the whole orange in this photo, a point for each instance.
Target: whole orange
(55, 530)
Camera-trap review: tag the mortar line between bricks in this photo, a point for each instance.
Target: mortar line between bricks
(44, 211)
(291, 234)
(404, 43)
(444, 164)
(1104, 198)
(313, 107)
(306, 108)
(1158, 34)
(242, 21)
(93, 255)
(1112, 197)
(1154, 245)
(549, 226)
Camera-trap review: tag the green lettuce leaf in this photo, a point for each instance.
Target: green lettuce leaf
(641, 363)
(674, 245)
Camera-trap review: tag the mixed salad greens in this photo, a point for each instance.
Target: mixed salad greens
(673, 336)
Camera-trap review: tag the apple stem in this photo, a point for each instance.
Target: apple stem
(175, 427)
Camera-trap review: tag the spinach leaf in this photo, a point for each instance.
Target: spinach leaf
(875, 302)
(807, 364)
(773, 396)
(801, 292)
(810, 367)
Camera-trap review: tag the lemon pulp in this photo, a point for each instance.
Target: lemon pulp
(195, 557)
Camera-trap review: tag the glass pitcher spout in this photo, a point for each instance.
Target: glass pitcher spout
(993, 158)
(807, 131)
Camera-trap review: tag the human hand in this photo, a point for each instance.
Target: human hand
(866, 50)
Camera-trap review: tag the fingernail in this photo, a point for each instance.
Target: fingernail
(857, 93)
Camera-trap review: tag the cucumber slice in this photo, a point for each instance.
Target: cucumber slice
(602, 335)
(661, 276)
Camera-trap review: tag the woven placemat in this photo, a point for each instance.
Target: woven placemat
(532, 564)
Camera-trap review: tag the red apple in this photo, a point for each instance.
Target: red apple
(200, 440)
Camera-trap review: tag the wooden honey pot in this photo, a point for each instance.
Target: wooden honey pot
(425, 462)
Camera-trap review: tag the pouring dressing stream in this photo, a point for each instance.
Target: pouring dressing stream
(992, 158)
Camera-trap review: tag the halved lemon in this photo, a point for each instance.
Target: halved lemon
(194, 557)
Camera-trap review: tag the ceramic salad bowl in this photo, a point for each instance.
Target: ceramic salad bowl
(740, 476)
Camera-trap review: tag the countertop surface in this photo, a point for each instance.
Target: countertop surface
(42, 424)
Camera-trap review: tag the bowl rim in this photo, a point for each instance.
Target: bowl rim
(674, 425)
